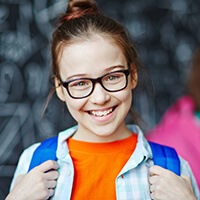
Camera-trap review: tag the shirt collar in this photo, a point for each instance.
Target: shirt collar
(62, 149)
(142, 150)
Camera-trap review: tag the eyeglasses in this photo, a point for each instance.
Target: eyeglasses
(83, 87)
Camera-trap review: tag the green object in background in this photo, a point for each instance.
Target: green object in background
(197, 114)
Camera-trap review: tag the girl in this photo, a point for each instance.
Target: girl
(95, 70)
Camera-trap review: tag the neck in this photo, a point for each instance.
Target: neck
(86, 135)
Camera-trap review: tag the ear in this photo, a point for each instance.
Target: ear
(134, 77)
(59, 89)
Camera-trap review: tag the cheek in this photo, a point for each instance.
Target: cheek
(126, 98)
(127, 93)
(74, 106)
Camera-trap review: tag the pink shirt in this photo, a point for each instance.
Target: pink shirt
(180, 128)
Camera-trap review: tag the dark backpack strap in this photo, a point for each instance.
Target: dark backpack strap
(45, 151)
(165, 157)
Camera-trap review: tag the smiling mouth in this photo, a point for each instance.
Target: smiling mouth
(102, 113)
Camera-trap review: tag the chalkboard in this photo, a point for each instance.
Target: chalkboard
(165, 34)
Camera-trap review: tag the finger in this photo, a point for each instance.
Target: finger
(46, 166)
(52, 175)
(153, 179)
(157, 170)
(152, 188)
(152, 194)
(51, 192)
(51, 184)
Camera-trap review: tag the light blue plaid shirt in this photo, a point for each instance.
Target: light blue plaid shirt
(133, 185)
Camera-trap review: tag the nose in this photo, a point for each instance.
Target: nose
(99, 95)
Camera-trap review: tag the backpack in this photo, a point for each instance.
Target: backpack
(163, 156)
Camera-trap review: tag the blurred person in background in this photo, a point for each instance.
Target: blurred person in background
(180, 125)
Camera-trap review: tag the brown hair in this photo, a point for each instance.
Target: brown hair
(193, 85)
(82, 21)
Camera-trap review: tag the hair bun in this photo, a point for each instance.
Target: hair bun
(78, 8)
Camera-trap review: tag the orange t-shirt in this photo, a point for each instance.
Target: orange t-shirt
(96, 166)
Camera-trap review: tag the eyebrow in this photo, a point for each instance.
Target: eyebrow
(109, 69)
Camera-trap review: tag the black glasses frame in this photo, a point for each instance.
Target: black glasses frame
(94, 81)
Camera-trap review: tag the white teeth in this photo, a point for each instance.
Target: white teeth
(102, 113)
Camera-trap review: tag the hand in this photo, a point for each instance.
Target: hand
(38, 184)
(165, 185)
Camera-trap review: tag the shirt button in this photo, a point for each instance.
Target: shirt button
(68, 172)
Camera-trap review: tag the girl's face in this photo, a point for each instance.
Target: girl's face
(101, 115)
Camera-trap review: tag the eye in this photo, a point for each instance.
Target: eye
(114, 77)
(80, 84)
(111, 78)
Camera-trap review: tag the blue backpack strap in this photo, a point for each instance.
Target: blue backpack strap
(165, 157)
(45, 151)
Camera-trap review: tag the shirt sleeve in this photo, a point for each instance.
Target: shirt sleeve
(186, 170)
(24, 162)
